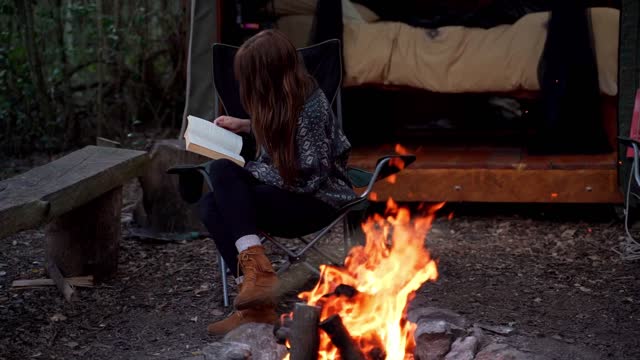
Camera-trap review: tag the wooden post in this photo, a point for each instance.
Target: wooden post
(304, 337)
(85, 240)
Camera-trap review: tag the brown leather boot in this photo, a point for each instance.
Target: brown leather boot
(260, 280)
(265, 315)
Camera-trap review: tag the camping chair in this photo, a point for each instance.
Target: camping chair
(323, 61)
(629, 249)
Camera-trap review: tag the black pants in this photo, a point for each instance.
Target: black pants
(239, 205)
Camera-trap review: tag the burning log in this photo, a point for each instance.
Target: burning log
(340, 337)
(303, 336)
(345, 290)
(377, 354)
(282, 329)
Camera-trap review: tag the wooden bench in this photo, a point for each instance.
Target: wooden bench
(79, 200)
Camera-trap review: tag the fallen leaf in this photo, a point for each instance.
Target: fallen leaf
(585, 289)
(58, 317)
(217, 312)
(568, 233)
(3, 273)
(194, 319)
(203, 288)
(72, 344)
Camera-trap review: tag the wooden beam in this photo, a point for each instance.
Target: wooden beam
(503, 185)
(77, 281)
(48, 191)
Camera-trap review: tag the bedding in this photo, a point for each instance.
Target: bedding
(456, 59)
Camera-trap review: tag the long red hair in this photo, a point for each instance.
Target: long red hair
(274, 85)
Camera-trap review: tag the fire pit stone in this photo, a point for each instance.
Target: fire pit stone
(249, 341)
(417, 313)
(463, 349)
(226, 350)
(433, 346)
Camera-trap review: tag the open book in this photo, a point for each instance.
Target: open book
(208, 139)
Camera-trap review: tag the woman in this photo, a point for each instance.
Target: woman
(293, 188)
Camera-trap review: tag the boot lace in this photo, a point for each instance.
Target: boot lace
(246, 263)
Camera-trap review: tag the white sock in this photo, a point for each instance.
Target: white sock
(247, 241)
(239, 280)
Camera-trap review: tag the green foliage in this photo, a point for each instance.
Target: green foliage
(132, 65)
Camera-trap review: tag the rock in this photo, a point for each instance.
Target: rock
(227, 350)
(260, 339)
(499, 329)
(463, 349)
(498, 351)
(483, 339)
(432, 346)
(433, 326)
(418, 313)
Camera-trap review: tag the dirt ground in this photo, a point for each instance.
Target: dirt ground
(546, 270)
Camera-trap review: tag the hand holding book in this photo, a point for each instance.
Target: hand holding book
(215, 141)
(233, 124)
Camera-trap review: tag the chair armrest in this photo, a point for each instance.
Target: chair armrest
(392, 164)
(628, 141)
(636, 155)
(359, 178)
(387, 166)
(190, 181)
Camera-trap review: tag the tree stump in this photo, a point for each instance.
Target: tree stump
(161, 209)
(85, 240)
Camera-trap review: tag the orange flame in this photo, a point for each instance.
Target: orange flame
(392, 179)
(397, 162)
(401, 150)
(385, 273)
(373, 196)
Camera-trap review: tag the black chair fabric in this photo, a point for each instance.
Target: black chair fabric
(323, 62)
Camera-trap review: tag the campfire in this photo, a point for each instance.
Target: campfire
(358, 311)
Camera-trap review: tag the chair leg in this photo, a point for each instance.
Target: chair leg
(347, 236)
(225, 285)
(353, 235)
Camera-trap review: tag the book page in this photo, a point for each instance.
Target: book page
(212, 134)
(214, 152)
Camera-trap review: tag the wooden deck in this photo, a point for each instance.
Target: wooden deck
(496, 174)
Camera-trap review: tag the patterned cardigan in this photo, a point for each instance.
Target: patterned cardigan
(322, 150)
